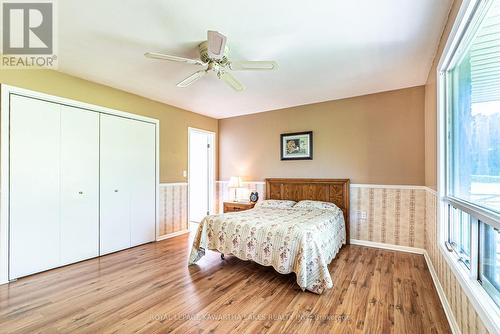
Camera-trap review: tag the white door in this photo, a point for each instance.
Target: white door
(114, 185)
(200, 174)
(142, 178)
(34, 186)
(128, 183)
(79, 184)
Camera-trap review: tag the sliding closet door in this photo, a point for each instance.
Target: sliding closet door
(34, 186)
(142, 178)
(79, 184)
(115, 139)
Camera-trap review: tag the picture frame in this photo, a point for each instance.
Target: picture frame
(296, 146)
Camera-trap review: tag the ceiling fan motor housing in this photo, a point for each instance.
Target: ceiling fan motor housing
(203, 48)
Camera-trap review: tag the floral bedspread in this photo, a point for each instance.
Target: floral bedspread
(303, 241)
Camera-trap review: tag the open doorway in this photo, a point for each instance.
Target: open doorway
(201, 174)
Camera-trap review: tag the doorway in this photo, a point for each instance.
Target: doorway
(201, 174)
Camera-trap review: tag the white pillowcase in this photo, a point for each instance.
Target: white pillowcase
(276, 204)
(307, 204)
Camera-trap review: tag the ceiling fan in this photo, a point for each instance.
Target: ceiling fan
(213, 55)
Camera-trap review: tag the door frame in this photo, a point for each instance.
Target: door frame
(211, 172)
(5, 92)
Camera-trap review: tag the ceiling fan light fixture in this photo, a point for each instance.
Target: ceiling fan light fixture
(216, 44)
(213, 54)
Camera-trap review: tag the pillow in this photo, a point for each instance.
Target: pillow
(307, 204)
(275, 204)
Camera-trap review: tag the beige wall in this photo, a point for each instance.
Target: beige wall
(377, 138)
(174, 122)
(431, 104)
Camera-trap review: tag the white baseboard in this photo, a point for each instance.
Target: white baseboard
(171, 235)
(373, 244)
(442, 296)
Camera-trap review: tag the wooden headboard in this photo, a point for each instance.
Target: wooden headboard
(327, 190)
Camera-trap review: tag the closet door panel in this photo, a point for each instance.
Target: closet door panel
(34, 186)
(115, 141)
(142, 180)
(79, 184)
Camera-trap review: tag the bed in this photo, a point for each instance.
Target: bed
(302, 239)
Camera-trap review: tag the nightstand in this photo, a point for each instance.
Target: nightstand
(236, 206)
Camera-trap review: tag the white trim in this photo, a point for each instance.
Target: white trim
(201, 130)
(4, 185)
(456, 32)
(244, 182)
(486, 216)
(442, 296)
(358, 185)
(399, 248)
(387, 186)
(171, 235)
(173, 184)
(431, 191)
(6, 91)
(157, 181)
(76, 103)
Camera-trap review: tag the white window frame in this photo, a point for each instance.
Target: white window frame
(487, 310)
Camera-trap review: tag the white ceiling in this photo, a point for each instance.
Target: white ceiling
(326, 50)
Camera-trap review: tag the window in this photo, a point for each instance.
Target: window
(472, 142)
(474, 117)
(460, 234)
(490, 261)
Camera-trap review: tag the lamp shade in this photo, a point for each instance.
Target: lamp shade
(235, 182)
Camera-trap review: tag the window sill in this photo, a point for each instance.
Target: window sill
(485, 307)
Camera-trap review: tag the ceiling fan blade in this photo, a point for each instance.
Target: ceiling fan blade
(231, 81)
(192, 78)
(155, 55)
(253, 65)
(216, 44)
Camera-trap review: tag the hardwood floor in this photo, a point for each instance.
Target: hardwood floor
(150, 289)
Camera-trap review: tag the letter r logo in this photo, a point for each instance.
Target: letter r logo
(27, 28)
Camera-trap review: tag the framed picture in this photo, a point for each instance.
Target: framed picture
(297, 146)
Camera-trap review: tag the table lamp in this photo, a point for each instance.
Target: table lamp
(235, 183)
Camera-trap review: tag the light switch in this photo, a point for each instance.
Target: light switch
(184, 173)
